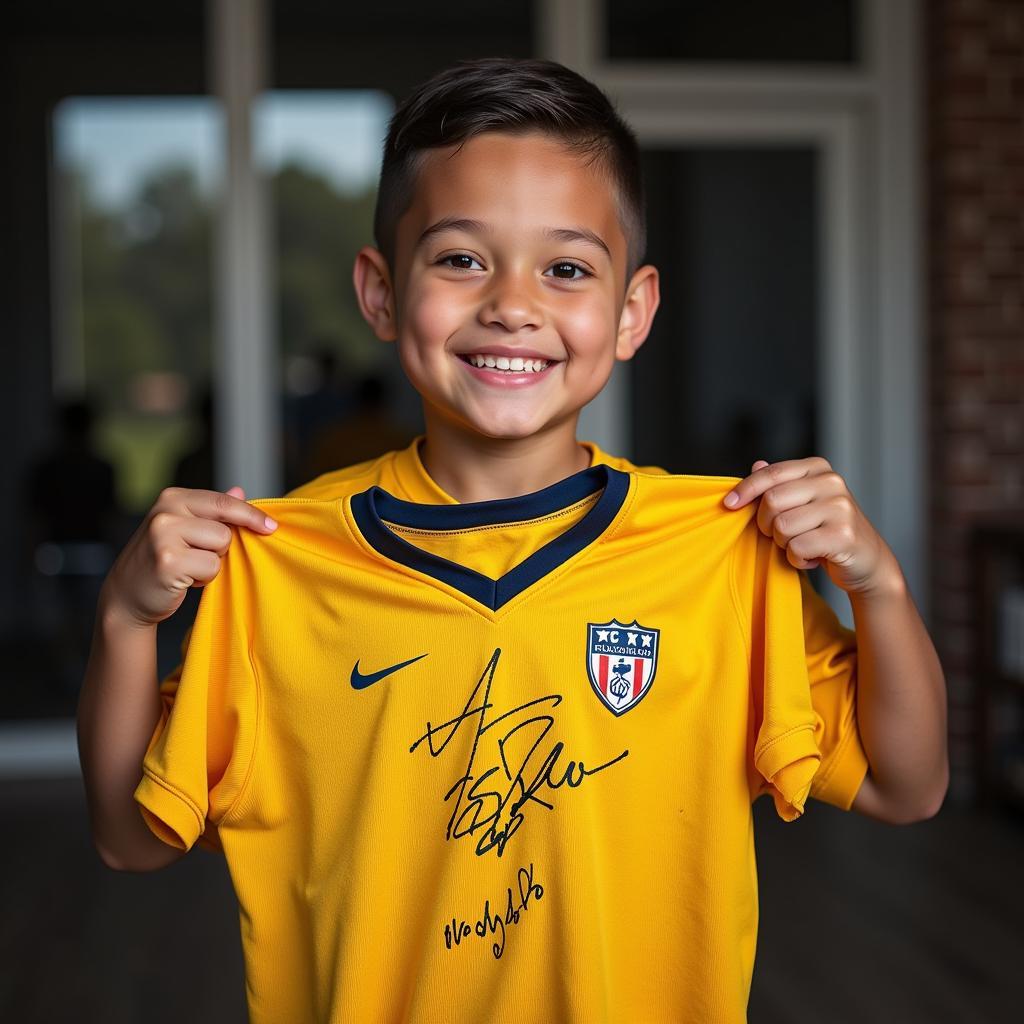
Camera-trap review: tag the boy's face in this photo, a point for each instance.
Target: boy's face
(511, 250)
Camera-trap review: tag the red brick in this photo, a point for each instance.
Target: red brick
(975, 219)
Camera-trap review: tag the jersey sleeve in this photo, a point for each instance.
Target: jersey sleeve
(832, 671)
(201, 750)
(783, 755)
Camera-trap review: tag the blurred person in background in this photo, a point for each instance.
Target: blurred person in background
(71, 492)
(195, 467)
(369, 431)
(312, 411)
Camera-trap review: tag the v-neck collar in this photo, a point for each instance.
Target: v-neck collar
(371, 507)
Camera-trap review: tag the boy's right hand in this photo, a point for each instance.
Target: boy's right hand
(179, 545)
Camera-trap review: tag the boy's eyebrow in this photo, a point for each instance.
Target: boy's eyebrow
(453, 224)
(470, 226)
(579, 234)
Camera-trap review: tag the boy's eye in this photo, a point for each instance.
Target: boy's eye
(459, 261)
(566, 271)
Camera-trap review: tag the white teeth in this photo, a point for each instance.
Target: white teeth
(514, 364)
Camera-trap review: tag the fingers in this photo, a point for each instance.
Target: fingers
(216, 505)
(792, 507)
(207, 534)
(794, 522)
(179, 545)
(765, 476)
(783, 498)
(802, 552)
(194, 568)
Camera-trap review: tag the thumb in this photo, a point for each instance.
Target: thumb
(232, 490)
(759, 464)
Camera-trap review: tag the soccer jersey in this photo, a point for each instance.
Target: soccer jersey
(495, 761)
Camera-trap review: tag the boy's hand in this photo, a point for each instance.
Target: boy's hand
(807, 508)
(179, 545)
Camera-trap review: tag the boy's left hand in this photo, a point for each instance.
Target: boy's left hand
(807, 508)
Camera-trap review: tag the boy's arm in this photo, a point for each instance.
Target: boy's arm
(118, 710)
(179, 544)
(900, 683)
(808, 510)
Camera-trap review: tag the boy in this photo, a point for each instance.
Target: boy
(478, 724)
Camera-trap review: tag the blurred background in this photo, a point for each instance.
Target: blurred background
(835, 193)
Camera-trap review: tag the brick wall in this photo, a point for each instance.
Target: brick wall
(976, 252)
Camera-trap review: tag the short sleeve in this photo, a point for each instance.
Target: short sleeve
(832, 672)
(783, 753)
(201, 751)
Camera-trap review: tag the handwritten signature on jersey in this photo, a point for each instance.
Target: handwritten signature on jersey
(493, 815)
(489, 923)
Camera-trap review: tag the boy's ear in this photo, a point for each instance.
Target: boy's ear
(374, 292)
(642, 298)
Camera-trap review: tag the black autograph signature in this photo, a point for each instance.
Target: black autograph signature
(494, 815)
(490, 923)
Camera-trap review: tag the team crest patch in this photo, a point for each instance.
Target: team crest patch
(621, 662)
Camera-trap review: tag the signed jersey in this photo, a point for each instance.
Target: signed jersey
(495, 761)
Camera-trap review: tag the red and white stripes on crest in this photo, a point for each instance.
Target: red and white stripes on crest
(638, 674)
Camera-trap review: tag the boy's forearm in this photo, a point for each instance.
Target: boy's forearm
(901, 701)
(118, 709)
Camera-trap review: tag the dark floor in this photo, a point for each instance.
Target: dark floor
(861, 923)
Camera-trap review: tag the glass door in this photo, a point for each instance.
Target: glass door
(728, 373)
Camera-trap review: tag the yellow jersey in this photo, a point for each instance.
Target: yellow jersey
(495, 761)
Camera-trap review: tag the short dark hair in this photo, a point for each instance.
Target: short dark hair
(512, 95)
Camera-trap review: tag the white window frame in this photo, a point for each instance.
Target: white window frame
(246, 357)
(864, 123)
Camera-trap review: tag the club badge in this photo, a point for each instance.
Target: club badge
(621, 662)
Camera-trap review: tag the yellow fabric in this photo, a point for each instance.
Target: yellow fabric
(493, 550)
(476, 835)
(831, 648)
(831, 651)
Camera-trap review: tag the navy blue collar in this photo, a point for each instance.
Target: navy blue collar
(371, 507)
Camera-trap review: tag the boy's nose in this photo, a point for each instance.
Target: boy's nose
(510, 304)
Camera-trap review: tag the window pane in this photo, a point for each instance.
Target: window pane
(800, 31)
(728, 374)
(131, 192)
(134, 183)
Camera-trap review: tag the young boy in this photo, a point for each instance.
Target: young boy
(478, 724)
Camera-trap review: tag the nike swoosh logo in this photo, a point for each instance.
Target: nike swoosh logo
(360, 682)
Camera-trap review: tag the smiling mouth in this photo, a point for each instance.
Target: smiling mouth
(506, 364)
